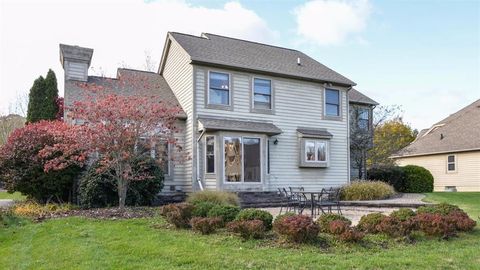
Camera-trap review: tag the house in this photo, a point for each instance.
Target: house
(361, 131)
(256, 117)
(450, 150)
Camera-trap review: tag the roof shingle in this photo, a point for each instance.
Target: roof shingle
(355, 96)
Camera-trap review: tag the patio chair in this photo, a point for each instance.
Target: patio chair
(328, 199)
(285, 199)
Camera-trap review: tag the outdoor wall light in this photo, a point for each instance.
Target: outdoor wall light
(275, 142)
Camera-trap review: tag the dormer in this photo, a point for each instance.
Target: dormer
(75, 61)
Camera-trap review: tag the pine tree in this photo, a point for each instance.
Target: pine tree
(42, 103)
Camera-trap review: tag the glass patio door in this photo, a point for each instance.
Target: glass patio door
(242, 156)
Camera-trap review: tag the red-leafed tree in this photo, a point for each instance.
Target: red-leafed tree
(42, 159)
(116, 128)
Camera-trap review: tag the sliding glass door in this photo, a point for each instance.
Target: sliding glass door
(242, 159)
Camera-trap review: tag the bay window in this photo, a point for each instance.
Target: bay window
(242, 159)
(210, 154)
(314, 152)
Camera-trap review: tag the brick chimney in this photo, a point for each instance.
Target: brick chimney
(75, 61)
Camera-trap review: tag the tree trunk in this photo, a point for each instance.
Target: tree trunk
(122, 192)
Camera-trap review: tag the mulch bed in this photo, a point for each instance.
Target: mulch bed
(104, 213)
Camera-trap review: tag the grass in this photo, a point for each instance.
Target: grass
(12, 196)
(468, 201)
(81, 243)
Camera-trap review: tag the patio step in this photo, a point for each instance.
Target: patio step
(169, 197)
(257, 199)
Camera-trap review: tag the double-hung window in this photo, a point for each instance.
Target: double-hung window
(219, 88)
(451, 163)
(332, 102)
(363, 118)
(210, 154)
(262, 94)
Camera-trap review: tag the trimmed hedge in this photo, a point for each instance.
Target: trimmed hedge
(226, 212)
(216, 197)
(256, 214)
(366, 190)
(411, 178)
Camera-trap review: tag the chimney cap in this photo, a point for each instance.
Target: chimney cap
(299, 62)
(75, 54)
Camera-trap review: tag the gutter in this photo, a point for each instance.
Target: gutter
(199, 180)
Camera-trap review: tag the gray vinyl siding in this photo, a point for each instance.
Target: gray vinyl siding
(297, 104)
(179, 75)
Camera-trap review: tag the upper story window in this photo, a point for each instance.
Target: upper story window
(363, 118)
(332, 102)
(262, 94)
(451, 163)
(219, 88)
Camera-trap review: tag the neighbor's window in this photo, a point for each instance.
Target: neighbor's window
(210, 154)
(262, 94)
(315, 151)
(332, 102)
(219, 88)
(363, 118)
(451, 166)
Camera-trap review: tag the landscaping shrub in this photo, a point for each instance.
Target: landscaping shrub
(394, 227)
(351, 235)
(217, 197)
(435, 225)
(366, 190)
(368, 223)
(226, 212)
(324, 221)
(296, 229)
(442, 209)
(206, 225)
(403, 214)
(178, 214)
(201, 209)
(256, 214)
(284, 215)
(31, 209)
(392, 175)
(97, 190)
(248, 229)
(338, 227)
(462, 221)
(417, 179)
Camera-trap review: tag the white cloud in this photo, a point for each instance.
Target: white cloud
(330, 22)
(120, 32)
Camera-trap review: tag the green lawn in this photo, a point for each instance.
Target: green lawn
(12, 196)
(145, 244)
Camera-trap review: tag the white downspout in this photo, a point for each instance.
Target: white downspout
(199, 180)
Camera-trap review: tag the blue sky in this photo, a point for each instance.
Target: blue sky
(422, 55)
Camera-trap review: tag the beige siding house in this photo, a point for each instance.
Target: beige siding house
(450, 150)
(256, 117)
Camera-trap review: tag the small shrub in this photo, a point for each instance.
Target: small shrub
(217, 197)
(462, 221)
(201, 209)
(392, 175)
(351, 235)
(403, 214)
(442, 209)
(366, 190)
(256, 214)
(296, 229)
(324, 221)
(35, 210)
(435, 225)
(205, 225)
(226, 212)
(417, 179)
(178, 214)
(248, 229)
(368, 223)
(284, 215)
(337, 227)
(394, 227)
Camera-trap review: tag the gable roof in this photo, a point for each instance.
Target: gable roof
(355, 96)
(147, 84)
(221, 51)
(456, 133)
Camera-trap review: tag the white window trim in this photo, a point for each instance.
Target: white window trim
(339, 116)
(214, 155)
(454, 163)
(267, 155)
(253, 94)
(243, 156)
(316, 142)
(229, 89)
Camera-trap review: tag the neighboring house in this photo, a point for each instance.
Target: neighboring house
(361, 132)
(450, 150)
(257, 117)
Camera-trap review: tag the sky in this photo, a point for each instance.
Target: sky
(423, 55)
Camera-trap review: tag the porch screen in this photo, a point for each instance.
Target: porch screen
(233, 159)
